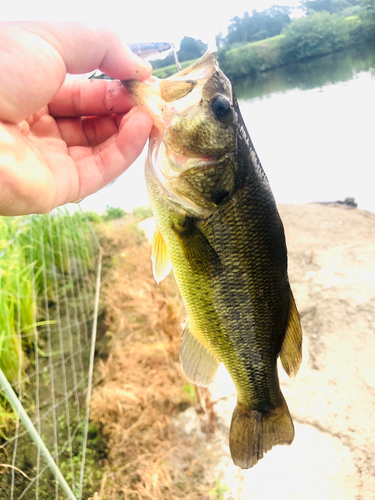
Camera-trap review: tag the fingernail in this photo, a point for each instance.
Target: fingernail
(145, 72)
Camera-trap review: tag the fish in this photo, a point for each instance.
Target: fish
(218, 228)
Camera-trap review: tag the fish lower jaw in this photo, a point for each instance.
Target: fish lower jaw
(171, 164)
(184, 160)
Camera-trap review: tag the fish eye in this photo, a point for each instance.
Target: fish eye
(222, 108)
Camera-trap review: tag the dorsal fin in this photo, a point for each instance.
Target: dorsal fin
(197, 362)
(291, 349)
(161, 263)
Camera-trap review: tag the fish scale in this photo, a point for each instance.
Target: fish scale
(219, 229)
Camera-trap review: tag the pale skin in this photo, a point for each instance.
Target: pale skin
(63, 139)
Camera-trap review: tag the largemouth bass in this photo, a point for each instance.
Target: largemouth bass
(219, 229)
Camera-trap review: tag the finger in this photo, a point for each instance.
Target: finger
(55, 49)
(88, 132)
(109, 161)
(79, 151)
(85, 48)
(90, 98)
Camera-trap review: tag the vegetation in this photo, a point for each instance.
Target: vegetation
(143, 322)
(271, 39)
(250, 58)
(190, 48)
(219, 490)
(113, 213)
(142, 388)
(331, 6)
(258, 26)
(367, 16)
(30, 248)
(318, 34)
(326, 28)
(45, 263)
(169, 70)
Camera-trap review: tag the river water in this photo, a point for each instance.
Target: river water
(313, 126)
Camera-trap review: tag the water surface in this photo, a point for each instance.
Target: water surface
(312, 125)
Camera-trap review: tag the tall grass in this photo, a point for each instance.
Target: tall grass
(35, 253)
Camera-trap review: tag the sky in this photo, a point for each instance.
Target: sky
(144, 20)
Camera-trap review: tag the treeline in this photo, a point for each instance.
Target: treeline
(328, 26)
(271, 22)
(269, 39)
(255, 27)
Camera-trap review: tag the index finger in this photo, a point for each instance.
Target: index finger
(90, 98)
(84, 48)
(56, 49)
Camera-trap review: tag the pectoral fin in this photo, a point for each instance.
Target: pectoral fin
(200, 254)
(161, 263)
(197, 362)
(291, 349)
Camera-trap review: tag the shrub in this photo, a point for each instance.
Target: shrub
(113, 213)
(250, 58)
(317, 34)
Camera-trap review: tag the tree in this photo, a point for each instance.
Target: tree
(368, 18)
(331, 6)
(190, 48)
(368, 8)
(258, 26)
(220, 40)
(317, 34)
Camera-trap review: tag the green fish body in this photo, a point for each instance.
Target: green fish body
(219, 229)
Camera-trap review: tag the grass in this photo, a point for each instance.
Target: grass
(171, 69)
(35, 254)
(219, 490)
(142, 387)
(48, 269)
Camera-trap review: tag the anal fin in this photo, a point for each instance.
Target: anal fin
(291, 349)
(197, 362)
(161, 262)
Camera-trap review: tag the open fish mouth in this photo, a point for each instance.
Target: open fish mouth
(163, 98)
(187, 135)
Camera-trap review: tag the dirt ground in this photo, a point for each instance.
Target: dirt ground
(332, 272)
(332, 399)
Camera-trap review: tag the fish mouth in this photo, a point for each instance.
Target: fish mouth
(162, 98)
(166, 100)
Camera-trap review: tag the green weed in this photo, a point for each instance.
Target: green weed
(219, 490)
(39, 264)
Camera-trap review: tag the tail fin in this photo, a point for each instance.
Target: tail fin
(253, 433)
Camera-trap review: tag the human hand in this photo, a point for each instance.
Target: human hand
(61, 140)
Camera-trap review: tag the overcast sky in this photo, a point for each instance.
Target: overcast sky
(142, 20)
